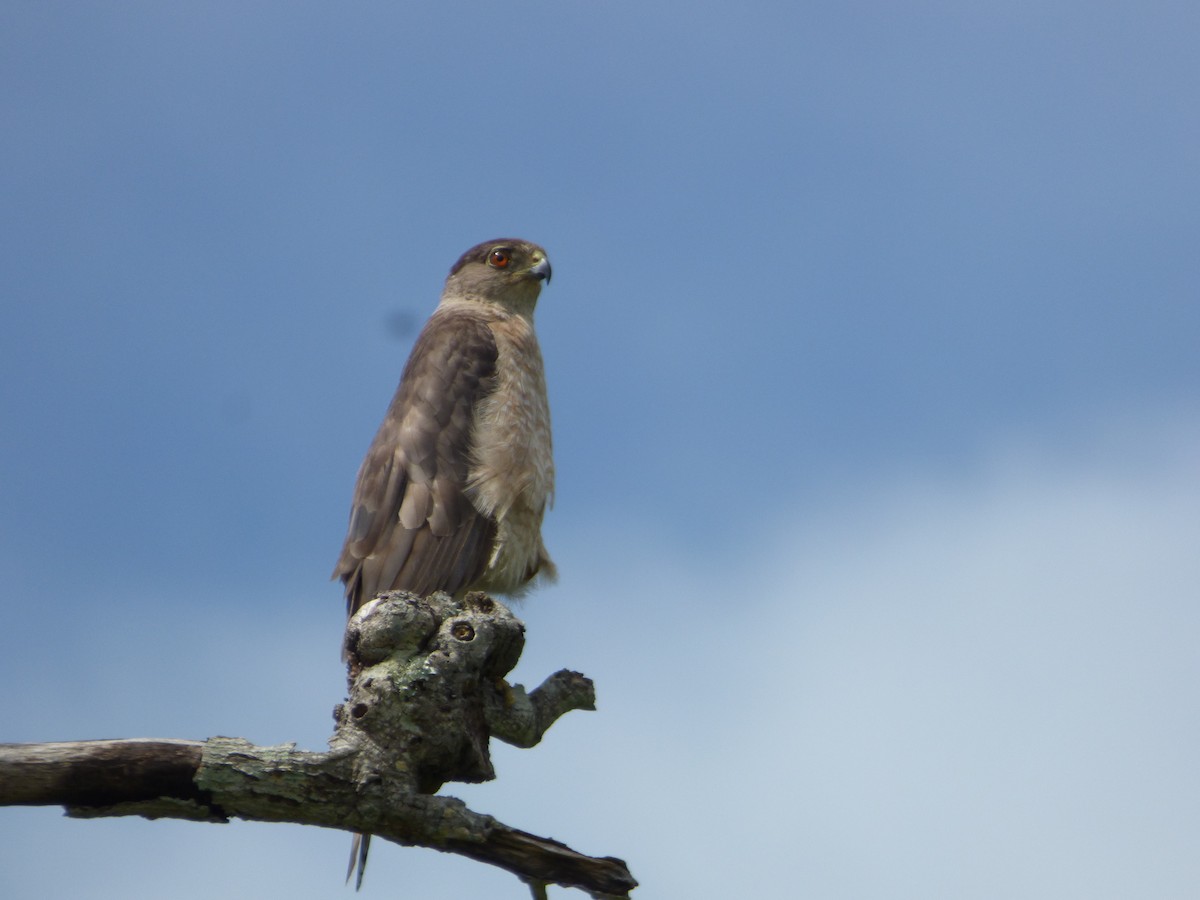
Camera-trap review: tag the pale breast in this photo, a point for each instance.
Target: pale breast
(512, 476)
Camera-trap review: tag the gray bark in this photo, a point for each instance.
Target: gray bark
(426, 692)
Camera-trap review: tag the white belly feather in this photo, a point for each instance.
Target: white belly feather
(512, 475)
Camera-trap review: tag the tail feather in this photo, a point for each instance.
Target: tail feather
(358, 858)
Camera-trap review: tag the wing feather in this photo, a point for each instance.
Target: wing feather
(412, 527)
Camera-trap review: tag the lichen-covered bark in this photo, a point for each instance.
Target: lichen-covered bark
(425, 695)
(421, 670)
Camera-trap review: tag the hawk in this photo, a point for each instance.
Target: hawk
(451, 494)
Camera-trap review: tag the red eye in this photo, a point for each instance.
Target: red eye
(500, 258)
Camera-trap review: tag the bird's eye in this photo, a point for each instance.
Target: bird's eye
(500, 259)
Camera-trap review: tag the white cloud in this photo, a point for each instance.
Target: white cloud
(981, 686)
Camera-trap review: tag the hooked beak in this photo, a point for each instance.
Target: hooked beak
(541, 270)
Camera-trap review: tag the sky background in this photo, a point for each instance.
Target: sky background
(874, 355)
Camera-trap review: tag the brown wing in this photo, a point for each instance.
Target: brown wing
(411, 525)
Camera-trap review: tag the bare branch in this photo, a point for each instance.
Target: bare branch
(426, 694)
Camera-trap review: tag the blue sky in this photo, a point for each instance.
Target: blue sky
(872, 349)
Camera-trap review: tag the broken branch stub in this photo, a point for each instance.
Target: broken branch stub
(426, 689)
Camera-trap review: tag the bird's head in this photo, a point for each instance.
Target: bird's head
(506, 272)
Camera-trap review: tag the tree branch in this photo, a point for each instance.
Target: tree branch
(425, 694)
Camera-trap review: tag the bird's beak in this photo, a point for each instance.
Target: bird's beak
(541, 270)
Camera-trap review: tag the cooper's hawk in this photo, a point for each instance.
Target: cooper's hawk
(451, 494)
